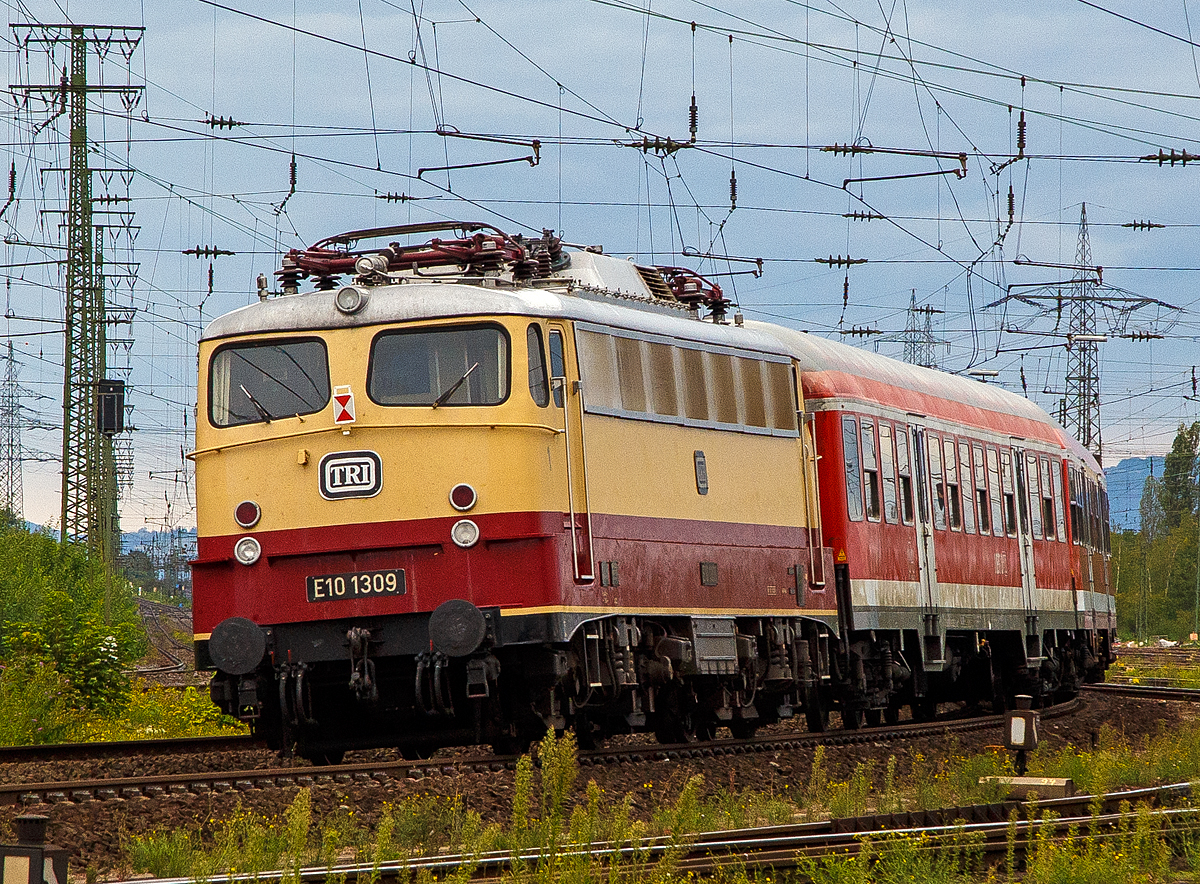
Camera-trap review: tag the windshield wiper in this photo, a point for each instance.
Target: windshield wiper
(441, 400)
(258, 406)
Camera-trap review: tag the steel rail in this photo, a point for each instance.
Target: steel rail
(117, 788)
(126, 748)
(1158, 692)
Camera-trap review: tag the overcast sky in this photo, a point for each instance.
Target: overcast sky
(1101, 86)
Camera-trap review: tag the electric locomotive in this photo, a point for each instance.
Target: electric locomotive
(470, 488)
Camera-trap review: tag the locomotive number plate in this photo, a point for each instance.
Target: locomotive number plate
(358, 585)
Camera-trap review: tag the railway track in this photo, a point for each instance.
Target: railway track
(1157, 691)
(986, 828)
(125, 748)
(114, 789)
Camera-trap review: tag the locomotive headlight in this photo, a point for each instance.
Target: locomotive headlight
(465, 533)
(247, 551)
(462, 497)
(247, 514)
(349, 300)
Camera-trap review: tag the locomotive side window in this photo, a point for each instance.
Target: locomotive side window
(724, 387)
(905, 464)
(630, 375)
(939, 485)
(753, 397)
(854, 501)
(870, 471)
(1010, 493)
(695, 389)
(1033, 485)
(256, 383)
(968, 496)
(597, 368)
(443, 366)
(664, 398)
(953, 500)
(1057, 488)
(887, 457)
(558, 364)
(539, 386)
(783, 395)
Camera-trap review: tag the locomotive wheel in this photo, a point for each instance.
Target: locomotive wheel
(816, 711)
(679, 721)
(742, 729)
(852, 719)
(325, 757)
(874, 717)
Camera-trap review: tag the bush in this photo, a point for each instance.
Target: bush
(37, 705)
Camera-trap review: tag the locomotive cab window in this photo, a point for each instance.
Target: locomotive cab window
(439, 366)
(558, 365)
(539, 386)
(260, 382)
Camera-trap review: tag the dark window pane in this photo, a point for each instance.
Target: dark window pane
(418, 367)
(252, 383)
(538, 387)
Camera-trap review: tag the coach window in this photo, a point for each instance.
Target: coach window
(964, 474)
(630, 375)
(439, 366)
(259, 382)
(939, 484)
(904, 462)
(783, 395)
(1010, 493)
(1033, 486)
(664, 397)
(953, 500)
(854, 502)
(1056, 487)
(981, 492)
(887, 463)
(539, 387)
(993, 471)
(870, 471)
(1106, 521)
(1047, 500)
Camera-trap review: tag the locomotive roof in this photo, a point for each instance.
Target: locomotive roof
(610, 291)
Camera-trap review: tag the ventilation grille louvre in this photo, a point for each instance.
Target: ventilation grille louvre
(655, 282)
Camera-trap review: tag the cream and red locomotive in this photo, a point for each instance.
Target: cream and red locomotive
(490, 486)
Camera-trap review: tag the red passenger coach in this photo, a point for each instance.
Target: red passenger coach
(492, 486)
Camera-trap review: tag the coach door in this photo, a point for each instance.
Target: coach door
(932, 640)
(1025, 549)
(568, 395)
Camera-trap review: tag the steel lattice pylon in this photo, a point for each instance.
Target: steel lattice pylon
(89, 486)
(1081, 400)
(12, 494)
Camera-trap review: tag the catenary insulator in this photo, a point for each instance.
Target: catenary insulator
(732, 189)
(1021, 135)
(693, 117)
(1012, 204)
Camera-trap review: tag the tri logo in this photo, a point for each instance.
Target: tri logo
(344, 474)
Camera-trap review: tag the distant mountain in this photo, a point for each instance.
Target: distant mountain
(1125, 483)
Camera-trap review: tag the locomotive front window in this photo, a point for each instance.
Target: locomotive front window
(260, 382)
(442, 366)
